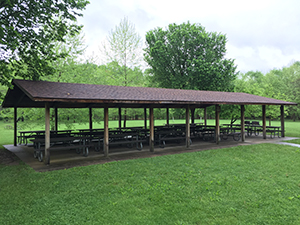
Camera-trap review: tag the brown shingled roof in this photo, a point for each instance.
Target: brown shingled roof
(36, 93)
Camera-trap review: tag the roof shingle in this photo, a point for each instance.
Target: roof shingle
(52, 91)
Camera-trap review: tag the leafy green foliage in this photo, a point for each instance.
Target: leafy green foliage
(28, 32)
(123, 49)
(279, 84)
(185, 56)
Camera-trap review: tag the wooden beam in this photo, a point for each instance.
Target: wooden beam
(205, 117)
(106, 134)
(243, 122)
(187, 127)
(282, 120)
(47, 134)
(120, 118)
(168, 117)
(15, 125)
(90, 118)
(55, 119)
(151, 137)
(264, 122)
(217, 135)
(193, 115)
(145, 118)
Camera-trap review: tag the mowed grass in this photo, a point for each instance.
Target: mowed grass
(295, 141)
(258, 184)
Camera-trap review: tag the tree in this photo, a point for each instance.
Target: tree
(72, 69)
(123, 48)
(28, 31)
(294, 111)
(68, 69)
(187, 57)
(292, 78)
(251, 83)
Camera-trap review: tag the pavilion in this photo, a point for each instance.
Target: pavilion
(43, 94)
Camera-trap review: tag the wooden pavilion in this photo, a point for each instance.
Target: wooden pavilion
(43, 94)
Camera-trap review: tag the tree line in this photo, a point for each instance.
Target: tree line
(183, 56)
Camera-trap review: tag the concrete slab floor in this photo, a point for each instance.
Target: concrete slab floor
(68, 159)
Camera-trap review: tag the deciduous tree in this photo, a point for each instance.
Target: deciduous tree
(124, 48)
(28, 31)
(186, 56)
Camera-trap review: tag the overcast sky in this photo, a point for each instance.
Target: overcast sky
(261, 34)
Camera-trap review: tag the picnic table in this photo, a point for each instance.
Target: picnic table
(175, 134)
(59, 143)
(205, 132)
(123, 136)
(90, 130)
(233, 130)
(256, 128)
(253, 129)
(273, 130)
(24, 135)
(127, 138)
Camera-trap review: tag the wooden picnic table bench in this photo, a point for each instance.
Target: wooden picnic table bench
(225, 132)
(256, 129)
(116, 137)
(25, 135)
(272, 130)
(126, 138)
(208, 134)
(59, 143)
(170, 135)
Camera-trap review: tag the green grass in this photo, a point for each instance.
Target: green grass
(258, 184)
(295, 141)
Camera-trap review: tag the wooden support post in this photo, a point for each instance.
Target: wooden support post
(145, 118)
(91, 118)
(168, 117)
(243, 122)
(187, 127)
(55, 119)
(47, 134)
(217, 133)
(205, 117)
(15, 125)
(193, 115)
(120, 118)
(282, 120)
(125, 117)
(106, 134)
(264, 122)
(151, 138)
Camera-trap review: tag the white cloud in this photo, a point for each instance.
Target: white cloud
(262, 34)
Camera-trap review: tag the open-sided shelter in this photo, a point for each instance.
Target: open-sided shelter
(43, 94)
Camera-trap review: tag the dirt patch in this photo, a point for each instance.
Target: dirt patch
(8, 158)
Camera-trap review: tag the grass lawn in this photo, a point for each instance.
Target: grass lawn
(258, 184)
(296, 141)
